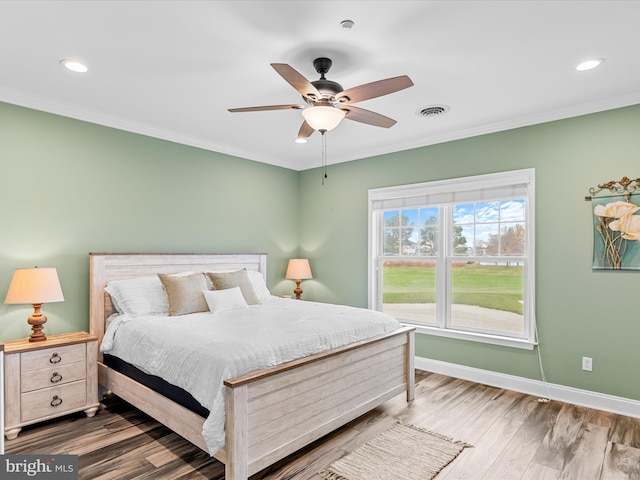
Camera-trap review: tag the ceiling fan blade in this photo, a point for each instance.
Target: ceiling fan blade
(296, 80)
(305, 130)
(374, 89)
(267, 107)
(366, 116)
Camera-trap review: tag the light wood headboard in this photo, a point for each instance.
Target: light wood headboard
(105, 267)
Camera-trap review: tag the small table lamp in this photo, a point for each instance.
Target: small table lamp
(298, 270)
(35, 286)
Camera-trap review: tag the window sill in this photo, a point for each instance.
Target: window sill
(473, 337)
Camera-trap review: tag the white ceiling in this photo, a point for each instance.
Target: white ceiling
(171, 69)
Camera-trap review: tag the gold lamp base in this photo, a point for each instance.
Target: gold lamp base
(298, 290)
(37, 320)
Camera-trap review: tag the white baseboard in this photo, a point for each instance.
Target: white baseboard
(575, 396)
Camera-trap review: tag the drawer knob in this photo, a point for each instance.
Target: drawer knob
(55, 358)
(56, 401)
(56, 377)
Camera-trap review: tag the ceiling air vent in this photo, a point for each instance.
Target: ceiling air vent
(432, 111)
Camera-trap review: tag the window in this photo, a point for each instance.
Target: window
(455, 257)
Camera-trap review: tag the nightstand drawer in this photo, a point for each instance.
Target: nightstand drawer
(52, 357)
(53, 401)
(54, 376)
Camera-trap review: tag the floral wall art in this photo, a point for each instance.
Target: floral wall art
(616, 221)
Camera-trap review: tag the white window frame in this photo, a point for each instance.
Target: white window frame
(428, 193)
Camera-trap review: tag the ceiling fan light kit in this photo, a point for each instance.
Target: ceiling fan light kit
(323, 118)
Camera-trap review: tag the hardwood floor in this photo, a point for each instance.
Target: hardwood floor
(514, 437)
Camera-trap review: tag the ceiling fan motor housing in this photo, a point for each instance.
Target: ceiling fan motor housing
(328, 88)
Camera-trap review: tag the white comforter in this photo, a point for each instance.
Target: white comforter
(198, 351)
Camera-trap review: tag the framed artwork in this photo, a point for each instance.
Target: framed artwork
(616, 225)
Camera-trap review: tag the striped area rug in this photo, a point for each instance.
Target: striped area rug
(403, 452)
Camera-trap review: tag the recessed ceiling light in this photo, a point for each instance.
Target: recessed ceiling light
(74, 65)
(589, 64)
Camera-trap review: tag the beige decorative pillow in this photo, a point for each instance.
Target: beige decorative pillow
(184, 293)
(224, 280)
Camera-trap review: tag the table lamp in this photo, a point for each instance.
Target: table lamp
(298, 269)
(35, 286)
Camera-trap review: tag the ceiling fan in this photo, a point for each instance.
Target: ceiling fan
(327, 103)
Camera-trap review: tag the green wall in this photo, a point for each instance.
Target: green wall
(579, 312)
(68, 188)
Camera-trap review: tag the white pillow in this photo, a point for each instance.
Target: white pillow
(139, 296)
(225, 300)
(259, 285)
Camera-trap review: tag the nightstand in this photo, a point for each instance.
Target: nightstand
(44, 380)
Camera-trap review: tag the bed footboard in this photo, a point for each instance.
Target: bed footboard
(274, 412)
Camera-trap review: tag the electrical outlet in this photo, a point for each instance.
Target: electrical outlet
(587, 364)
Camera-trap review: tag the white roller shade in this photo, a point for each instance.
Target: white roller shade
(490, 187)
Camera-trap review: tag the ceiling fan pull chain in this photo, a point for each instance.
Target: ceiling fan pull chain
(324, 155)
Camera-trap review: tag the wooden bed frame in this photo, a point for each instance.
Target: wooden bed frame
(273, 412)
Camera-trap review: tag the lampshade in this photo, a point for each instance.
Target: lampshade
(34, 285)
(323, 118)
(298, 269)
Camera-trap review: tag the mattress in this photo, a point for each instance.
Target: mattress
(157, 384)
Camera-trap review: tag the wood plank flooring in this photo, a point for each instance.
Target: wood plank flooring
(514, 437)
